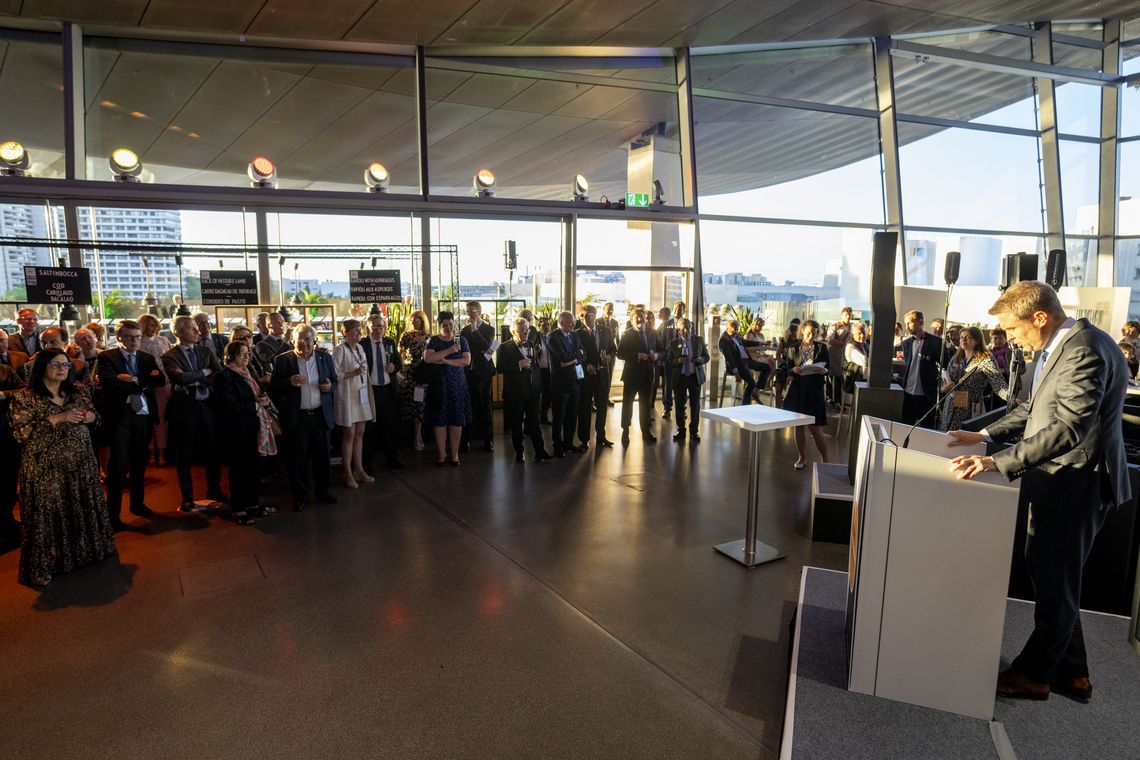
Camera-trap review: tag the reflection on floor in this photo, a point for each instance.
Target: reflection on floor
(569, 609)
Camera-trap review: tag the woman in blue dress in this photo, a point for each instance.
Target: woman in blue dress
(448, 406)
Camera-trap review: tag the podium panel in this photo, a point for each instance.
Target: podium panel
(928, 572)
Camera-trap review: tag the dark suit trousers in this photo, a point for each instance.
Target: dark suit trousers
(130, 449)
(193, 423)
(521, 414)
(666, 388)
(564, 402)
(595, 394)
(382, 432)
(307, 444)
(245, 469)
(916, 406)
(482, 421)
(547, 399)
(9, 473)
(1065, 516)
(643, 391)
(690, 389)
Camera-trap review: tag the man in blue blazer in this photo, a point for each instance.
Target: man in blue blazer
(302, 389)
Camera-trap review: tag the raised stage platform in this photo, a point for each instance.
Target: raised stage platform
(823, 720)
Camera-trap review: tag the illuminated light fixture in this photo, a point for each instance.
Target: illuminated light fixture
(125, 165)
(108, 104)
(376, 177)
(262, 172)
(484, 183)
(658, 193)
(13, 159)
(580, 188)
(138, 115)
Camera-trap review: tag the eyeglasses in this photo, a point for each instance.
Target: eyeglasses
(59, 365)
(130, 336)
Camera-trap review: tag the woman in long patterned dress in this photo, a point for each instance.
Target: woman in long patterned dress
(352, 402)
(412, 344)
(157, 345)
(968, 399)
(449, 402)
(64, 518)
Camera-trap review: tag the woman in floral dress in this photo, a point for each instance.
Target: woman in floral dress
(412, 344)
(64, 518)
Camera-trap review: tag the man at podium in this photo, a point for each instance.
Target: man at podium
(1071, 460)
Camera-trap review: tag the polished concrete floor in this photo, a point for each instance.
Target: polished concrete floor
(569, 609)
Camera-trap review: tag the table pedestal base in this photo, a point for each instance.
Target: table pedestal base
(761, 552)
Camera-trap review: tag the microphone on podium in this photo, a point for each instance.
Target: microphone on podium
(962, 379)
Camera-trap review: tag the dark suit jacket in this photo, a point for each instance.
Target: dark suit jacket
(517, 383)
(930, 354)
(731, 353)
(1073, 418)
(287, 398)
(393, 357)
(479, 341)
(184, 381)
(217, 345)
(635, 370)
(673, 355)
(16, 343)
(16, 359)
(234, 400)
(593, 348)
(115, 392)
(9, 381)
(564, 350)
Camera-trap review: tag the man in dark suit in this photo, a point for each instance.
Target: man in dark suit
(191, 367)
(207, 337)
(567, 370)
(640, 351)
(543, 347)
(522, 384)
(480, 338)
(922, 353)
(127, 378)
(302, 388)
(686, 358)
(737, 361)
(27, 340)
(10, 357)
(383, 363)
(607, 321)
(9, 462)
(666, 331)
(1070, 456)
(599, 346)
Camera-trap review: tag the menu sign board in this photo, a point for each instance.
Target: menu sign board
(229, 287)
(374, 285)
(61, 285)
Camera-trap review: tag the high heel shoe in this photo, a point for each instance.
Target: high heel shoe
(363, 477)
(799, 464)
(349, 482)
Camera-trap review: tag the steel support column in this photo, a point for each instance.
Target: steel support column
(421, 121)
(425, 265)
(688, 146)
(889, 143)
(74, 131)
(569, 261)
(1109, 195)
(264, 278)
(1050, 149)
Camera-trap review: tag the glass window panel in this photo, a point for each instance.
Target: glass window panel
(969, 179)
(1089, 30)
(31, 91)
(1129, 209)
(981, 255)
(1128, 272)
(604, 244)
(1130, 100)
(1074, 57)
(25, 220)
(196, 118)
(1080, 262)
(982, 41)
(1080, 186)
(773, 162)
(1078, 109)
(956, 92)
(536, 131)
(839, 74)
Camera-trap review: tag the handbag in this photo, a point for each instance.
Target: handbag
(274, 419)
(425, 374)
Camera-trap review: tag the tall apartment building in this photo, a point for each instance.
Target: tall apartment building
(17, 220)
(131, 275)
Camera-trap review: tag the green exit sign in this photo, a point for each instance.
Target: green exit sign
(637, 200)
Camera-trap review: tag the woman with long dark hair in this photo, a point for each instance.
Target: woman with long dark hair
(64, 519)
(807, 364)
(968, 398)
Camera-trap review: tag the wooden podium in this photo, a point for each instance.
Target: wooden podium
(928, 572)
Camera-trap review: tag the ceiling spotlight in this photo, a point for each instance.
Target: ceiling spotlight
(658, 193)
(484, 183)
(580, 188)
(262, 172)
(376, 177)
(125, 165)
(13, 159)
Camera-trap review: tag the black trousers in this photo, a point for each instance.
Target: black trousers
(643, 391)
(383, 431)
(688, 389)
(245, 469)
(595, 403)
(193, 423)
(667, 391)
(1064, 518)
(564, 402)
(307, 446)
(482, 421)
(916, 406)
(9, 473)
(130, 449)
(520, 412)
(547, 400)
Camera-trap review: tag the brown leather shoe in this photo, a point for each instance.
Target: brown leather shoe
(1078, 687)
(1016, 686)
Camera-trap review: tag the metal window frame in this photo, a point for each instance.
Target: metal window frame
(1109, 191)
(1054, 217)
